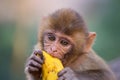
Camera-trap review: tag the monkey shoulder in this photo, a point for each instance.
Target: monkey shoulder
(89, 61)
(93, 64)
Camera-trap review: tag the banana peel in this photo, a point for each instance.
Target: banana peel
(51, 67)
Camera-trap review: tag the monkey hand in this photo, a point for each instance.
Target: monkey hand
(33, 68)
(67, 74)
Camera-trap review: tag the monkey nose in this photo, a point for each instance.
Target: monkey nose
(53, 49)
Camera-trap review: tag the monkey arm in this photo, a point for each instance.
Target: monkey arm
(94, 75)
(92, 67)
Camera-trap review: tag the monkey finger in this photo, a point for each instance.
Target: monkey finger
(61, 73)
(62, 78)
(34, 64)
(38, 52)
(37, 59)
(31, 69)
(68, 69)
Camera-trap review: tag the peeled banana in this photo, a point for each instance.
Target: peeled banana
(51, 67)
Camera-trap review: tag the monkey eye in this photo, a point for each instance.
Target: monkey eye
(64, 42)
(51, 37)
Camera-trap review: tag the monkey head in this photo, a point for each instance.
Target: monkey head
(64, 34)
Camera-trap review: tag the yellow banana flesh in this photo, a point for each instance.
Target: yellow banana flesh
(51, 67)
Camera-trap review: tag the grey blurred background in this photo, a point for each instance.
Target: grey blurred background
(20, 19)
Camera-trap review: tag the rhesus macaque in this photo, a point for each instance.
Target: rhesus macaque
(64, 35)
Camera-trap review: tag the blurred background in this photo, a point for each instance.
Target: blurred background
(20, 19)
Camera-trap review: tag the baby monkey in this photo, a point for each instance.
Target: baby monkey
(64, 35)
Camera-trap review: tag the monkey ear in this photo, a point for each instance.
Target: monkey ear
(90, 41)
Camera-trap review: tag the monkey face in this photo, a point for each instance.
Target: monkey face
(56, 44)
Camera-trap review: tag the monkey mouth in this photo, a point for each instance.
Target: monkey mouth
(55, 55)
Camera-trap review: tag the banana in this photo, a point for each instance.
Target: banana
(51, 67)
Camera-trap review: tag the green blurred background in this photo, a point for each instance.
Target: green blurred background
(20, 19)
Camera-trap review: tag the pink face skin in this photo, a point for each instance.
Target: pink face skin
(57, 44)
